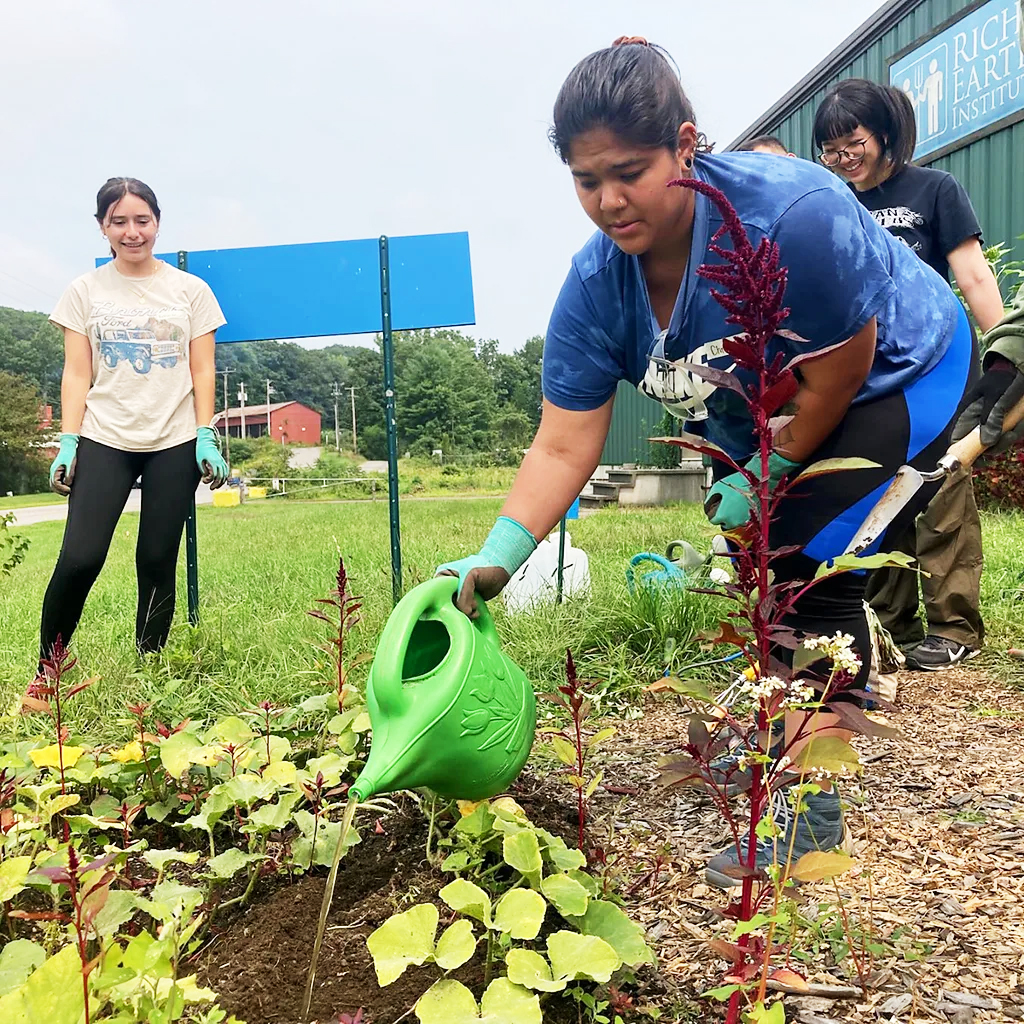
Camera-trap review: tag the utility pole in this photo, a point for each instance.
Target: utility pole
(336, 391)
(352, 395)
(270, 391)
(241, 401)
(227, 421)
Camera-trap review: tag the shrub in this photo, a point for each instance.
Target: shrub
(999, 479)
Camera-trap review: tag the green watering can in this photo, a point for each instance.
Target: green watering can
(449, 711)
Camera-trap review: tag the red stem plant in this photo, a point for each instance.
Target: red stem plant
(346, 607)
(88, 887)
(750, 287)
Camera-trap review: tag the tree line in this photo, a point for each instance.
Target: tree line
(454, 393)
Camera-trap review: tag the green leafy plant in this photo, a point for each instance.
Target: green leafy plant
(511, 873)
(12, 545)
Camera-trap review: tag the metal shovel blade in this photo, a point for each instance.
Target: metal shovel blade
(904, 486)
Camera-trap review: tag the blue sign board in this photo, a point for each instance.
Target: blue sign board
(964, 78)
(320, 289)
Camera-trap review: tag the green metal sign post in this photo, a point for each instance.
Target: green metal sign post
(390, 418)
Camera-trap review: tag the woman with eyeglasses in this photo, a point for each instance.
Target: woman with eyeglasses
(866, 133)
(887, 351)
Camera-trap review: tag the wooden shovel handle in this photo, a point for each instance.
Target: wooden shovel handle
(968, 448)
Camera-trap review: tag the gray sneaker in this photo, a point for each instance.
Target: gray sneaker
(727, 775)
(819, 826)
(935, 653)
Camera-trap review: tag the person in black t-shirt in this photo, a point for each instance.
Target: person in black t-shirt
(866, 133)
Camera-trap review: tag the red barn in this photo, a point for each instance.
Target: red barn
(290, 422)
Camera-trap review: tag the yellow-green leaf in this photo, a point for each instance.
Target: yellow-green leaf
(525, 967)
(600, 736)
(447, 1002)
(819, 865)
(507, 1003)
(456, 946)
(520, 912)
(522, 852)
(823, 466)
(575, 956)
(564, 750)
(50, 757)
(53, 993)
(829, 753)
(401, 940)
(567, 895)
(175, 753)
(13, 872)
(467, 898)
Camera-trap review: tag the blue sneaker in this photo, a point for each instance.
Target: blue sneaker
(819, 825)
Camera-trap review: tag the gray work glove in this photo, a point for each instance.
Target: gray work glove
(1000, 388)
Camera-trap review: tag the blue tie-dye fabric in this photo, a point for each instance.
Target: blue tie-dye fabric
(843, 269)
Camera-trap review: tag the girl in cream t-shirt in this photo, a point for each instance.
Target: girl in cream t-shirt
(136, 395)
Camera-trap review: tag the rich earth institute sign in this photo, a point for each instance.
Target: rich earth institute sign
(965, 78)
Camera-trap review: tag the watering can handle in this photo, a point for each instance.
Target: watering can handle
(644, 556)
(434, 595)
(675, 544)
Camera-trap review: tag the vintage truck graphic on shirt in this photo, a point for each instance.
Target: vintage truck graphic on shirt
(139, 347)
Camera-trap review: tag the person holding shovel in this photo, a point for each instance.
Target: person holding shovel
(866, 133)
(136, 395)
(888, 352)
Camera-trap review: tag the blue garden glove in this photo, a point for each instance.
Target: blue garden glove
(62, 469)
(729, 501)
(209, 459)
(508, 546)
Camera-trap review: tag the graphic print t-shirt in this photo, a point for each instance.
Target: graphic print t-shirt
(928, 210)
(140, 331)
(843, 269)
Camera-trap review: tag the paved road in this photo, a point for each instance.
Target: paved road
(49, 513)
(303, 458)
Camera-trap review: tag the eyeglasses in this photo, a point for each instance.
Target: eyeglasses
(854, 151)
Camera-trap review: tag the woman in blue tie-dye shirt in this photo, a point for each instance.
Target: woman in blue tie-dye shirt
(890, 348)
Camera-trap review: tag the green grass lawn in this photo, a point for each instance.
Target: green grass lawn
(28, 500)
(263, 565)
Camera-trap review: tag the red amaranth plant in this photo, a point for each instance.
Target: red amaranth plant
(751, 286)
(346, 606)
(571, 746)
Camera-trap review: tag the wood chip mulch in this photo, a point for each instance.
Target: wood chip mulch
(938, 819)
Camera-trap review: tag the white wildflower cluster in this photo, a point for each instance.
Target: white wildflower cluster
(764, 687)
(839, 649)
(799, 693)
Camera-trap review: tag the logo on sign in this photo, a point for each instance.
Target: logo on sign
(964, 78)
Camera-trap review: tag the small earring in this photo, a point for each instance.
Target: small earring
(688, 162)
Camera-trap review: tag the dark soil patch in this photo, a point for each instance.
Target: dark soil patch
(258, 964)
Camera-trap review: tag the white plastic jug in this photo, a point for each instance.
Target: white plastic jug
(537, 581)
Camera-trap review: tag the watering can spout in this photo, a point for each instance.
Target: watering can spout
(448, 709)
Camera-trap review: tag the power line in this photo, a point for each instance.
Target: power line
(35, 288)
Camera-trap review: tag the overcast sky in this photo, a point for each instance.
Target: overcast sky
(265, 122)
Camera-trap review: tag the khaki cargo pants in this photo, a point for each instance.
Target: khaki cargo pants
(947, 546)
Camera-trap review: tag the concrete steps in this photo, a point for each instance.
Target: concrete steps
(619, 486)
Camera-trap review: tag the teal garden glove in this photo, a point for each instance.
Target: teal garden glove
(508, 546)
(209, 459)
(729, 501)
(62, 469)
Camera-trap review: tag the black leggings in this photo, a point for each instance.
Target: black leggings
(103, 480)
